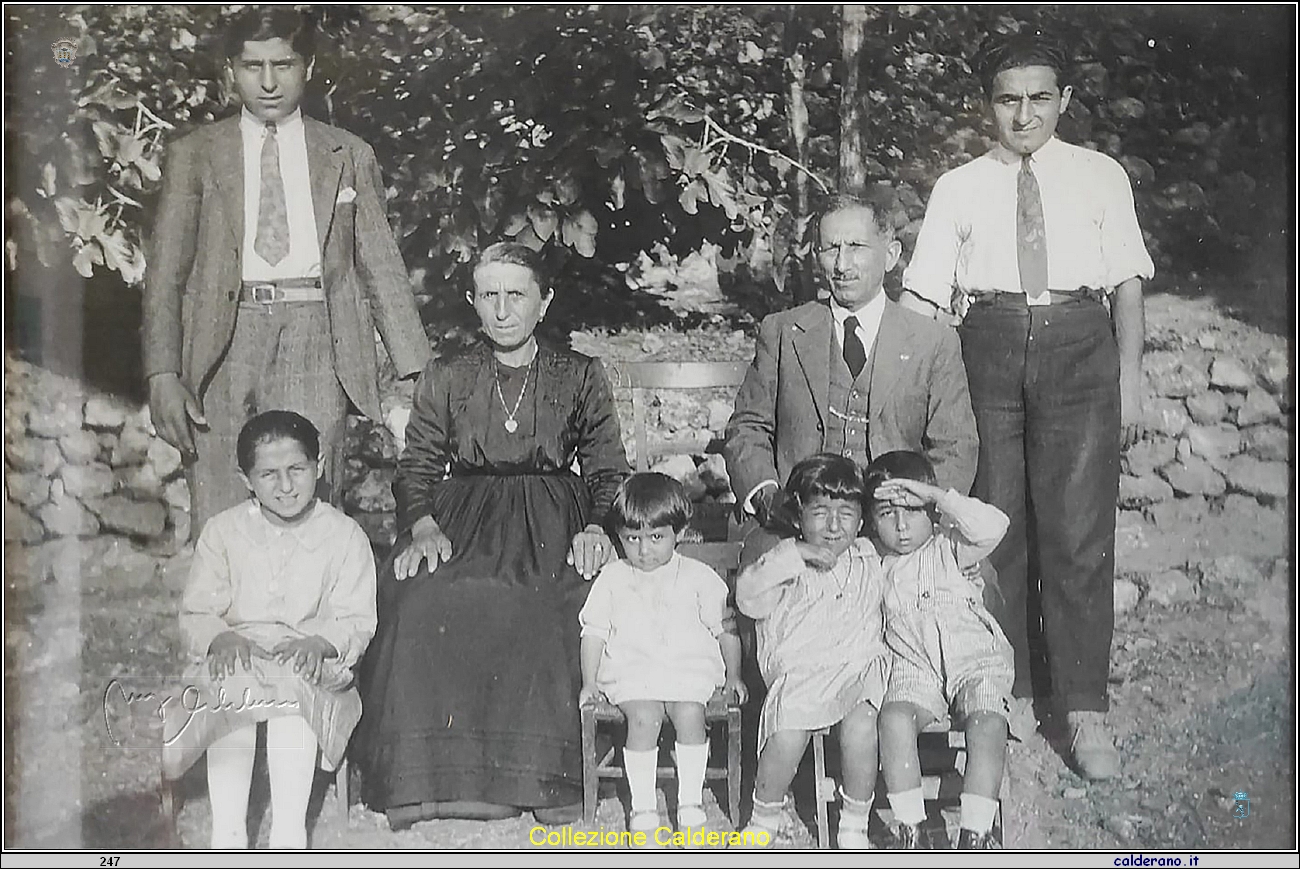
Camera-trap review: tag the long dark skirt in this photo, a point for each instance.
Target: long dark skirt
(470, 687)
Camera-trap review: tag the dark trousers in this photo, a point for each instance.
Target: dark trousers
(1044, 383)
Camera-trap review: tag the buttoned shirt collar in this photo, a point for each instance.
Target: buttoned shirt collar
(311, 531)
(868, 320)
(1010, 158)
(250, 123)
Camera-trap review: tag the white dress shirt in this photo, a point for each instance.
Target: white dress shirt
(303, 259)
(968, 237)
(868, 321)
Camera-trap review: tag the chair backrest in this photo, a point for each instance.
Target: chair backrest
(640, 377)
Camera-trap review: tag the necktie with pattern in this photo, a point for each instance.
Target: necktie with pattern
(855, 355)
(1031, 235)
(272, 240)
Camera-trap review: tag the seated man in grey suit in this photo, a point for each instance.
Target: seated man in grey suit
(857, 374)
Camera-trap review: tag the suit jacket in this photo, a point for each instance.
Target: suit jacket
(195, 265)
(919, 399)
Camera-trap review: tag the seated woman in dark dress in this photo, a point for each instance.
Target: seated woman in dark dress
(470, 688)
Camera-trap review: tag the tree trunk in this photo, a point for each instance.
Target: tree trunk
(853, 173)
(803, 287)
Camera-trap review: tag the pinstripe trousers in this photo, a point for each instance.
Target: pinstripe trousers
(280, 358)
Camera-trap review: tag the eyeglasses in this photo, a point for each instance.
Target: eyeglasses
(852, 247)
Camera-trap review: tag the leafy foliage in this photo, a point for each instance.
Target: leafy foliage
(595, 133)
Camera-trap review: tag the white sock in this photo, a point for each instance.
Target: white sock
(230, 774)
(640, 767)
(977, 813)
(855, 809)
(909, 806)
(291, 762)
(691, 761)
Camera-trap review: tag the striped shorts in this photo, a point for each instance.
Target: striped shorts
(948, 654)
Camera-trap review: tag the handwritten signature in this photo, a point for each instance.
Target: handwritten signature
(190, 701)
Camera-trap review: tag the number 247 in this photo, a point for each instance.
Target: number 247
(109, 861)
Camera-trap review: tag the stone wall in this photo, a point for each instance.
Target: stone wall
(1218, 426)
(1218, 420)
(80, 464)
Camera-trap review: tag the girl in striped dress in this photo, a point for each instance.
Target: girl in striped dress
(817, 602)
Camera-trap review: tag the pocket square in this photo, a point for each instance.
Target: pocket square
(347, 194)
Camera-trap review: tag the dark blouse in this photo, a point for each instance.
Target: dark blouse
(457, 426)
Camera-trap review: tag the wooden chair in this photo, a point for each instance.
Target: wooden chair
(942, 753)
(722, 555)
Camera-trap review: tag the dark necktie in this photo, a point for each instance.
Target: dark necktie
(855, 355)
(272, 240)
(1031, 234)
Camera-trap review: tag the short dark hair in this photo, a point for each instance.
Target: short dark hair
(1003, 51)
(258, 23)
(272, 425)
(827, 475)
(516, 254)
(899, 463)
(650, 500)
(880, 200)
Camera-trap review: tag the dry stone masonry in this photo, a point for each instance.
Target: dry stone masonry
(1218, 424)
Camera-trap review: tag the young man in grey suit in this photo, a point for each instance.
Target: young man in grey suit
(271, 265)
(857, 374)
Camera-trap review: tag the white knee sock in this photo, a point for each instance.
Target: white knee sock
(854, 812)
(908, 806)
(291, 762)
(691, 761)
(977, 813)
(230, 775)
(640, 767)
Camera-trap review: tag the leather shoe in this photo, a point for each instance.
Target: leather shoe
(909, 837)
(1091, 747)
(557, 815)
(969, 840)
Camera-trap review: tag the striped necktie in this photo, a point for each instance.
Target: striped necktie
(272, 240)
(1031, 235)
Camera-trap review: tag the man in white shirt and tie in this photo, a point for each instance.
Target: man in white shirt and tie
(856, 374)
(271, 267)
(1036, 246)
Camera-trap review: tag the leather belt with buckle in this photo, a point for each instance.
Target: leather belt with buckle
(1055, 297)
(282, 290)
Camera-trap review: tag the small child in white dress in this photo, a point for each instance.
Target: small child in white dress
(279, 607)
(948, 651)
(817, 603)
(654, 644)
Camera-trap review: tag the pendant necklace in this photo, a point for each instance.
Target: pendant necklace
(511, 423)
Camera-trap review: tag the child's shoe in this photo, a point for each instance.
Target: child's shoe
(692, 822)
(909, 837)
(969, 840)
(769, 824)
(647, 822)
